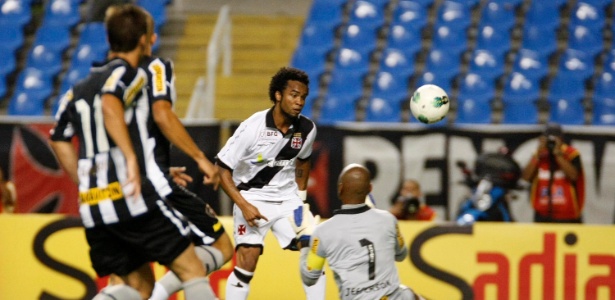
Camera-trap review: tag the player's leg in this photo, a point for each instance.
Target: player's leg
(285, 234)
(192, 274)
(249, 241)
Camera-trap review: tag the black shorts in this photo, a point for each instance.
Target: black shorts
(204, 224)
(159, 235)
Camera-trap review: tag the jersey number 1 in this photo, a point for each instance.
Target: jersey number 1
(371, 257)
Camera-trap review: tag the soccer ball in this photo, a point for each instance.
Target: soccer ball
(429, 104)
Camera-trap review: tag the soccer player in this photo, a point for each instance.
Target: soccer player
(360, 243)
(264, 169)
(127, 224)
(155, 111)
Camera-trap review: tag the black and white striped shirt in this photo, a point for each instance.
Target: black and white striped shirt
(102, 167)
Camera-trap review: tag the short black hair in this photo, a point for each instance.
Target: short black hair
(125, 25)
(279, 81)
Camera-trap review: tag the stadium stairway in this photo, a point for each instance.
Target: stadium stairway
(261, 44)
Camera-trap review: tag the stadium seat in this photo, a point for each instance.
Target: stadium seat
(450, 38)
(8, 64)
(16, 12)
(45, 60)
(443, 64)
(508, 3)
(432, 78)
(24, 104)
(326, 13)
(308, 107)
(311, 59)
(410, 14)
(390, 88)
(494, 40)
(93, 33)
(577, 64)
(520, 113)
(11, 38)
(404, 39)
(472, 85)
(604, 110)
(486, 64)
(366, 13)
(381, 110)
(588, 15)
(38, 86)
(544, 14)
(566, 110)
(360, 37)
(497, 15)
(608, 62)
(585, 39)
(318, 34)
(396, 62)
(604, 85)
(473, 110)
(531, 64)
(55, 38)
(454, 14)
(350, 59)
(563, 85)
(3, 87)
(62, 13)
(346, 82)
(520, 89)
(338, 108)
(539, 39)
(600, 4)
(158, 11)
(85, 55)
(424, 3)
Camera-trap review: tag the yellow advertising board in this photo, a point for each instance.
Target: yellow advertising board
(47, 256)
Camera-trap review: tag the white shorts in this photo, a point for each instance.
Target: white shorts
(276, 212)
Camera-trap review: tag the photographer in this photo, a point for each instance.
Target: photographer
(410, 203)
(555, 173)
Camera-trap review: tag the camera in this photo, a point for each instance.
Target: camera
(411, 205)
(551, 143)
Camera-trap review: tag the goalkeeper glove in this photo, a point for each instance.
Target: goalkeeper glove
(303, 222)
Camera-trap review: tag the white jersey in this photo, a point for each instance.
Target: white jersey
(262, 159)
(361, 245)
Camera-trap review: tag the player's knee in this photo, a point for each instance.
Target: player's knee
(247, 256)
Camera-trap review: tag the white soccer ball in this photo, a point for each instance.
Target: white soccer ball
(429, 104)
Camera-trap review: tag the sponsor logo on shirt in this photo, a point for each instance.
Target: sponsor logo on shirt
(94, 195)
(260, 160)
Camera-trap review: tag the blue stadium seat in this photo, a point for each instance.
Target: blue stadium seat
(577, 63)
(350, 59)
(55, 38)
(429, 77)
(564, 85)
(588, 15)
(473, 110)
(539, 39)
(497, 15)
(544, 14)
(520, 113)
(585, 39)
(604, 110)
(326, 13)
(11, 38)
(450, 38)
(410, 14)
(495, 40)
(158, 11)
(454, 14)
(520, 89)
(424, 3)
(367, 13)
(604, 85)
(360, 37)
(3, 87)
(24, 104)
(338, 108)
(311, 59)
(390, 88)
(531, 64)
(608, 61)
(16, 12)
(346, 82)
(472, 85)
(318, 34)
(38, 86)
(381, 110)
(508, 3)
(600, 4)
(93, 33)
(308, 107)
(486, 64)
(62, 13)
(85, 55)
(566, 110)
(8, 64)
(45, 60)
(404, 39)
(396, 62)
(443, 64)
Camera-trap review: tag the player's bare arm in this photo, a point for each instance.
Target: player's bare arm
(250, 212)
(176, 133)
(302, 173)
(68, 158)
(113, 115)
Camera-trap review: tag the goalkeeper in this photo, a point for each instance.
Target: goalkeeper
(360, 243)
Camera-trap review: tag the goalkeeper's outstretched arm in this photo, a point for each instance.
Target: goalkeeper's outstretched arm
(310, 266)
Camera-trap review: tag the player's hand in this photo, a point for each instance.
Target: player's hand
(179, 176)
(132, 186)
(303, 221)
(212, 176)
(252, 214)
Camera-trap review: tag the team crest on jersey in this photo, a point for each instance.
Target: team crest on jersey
(241, 229)
(296, 141)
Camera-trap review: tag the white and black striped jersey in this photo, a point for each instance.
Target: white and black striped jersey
(262, 159)
(102, 166)
(361, 245)
(156, 148)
